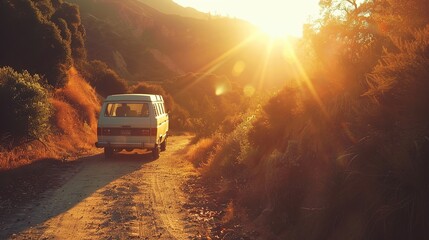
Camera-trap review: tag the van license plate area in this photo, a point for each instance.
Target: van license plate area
(126, 132)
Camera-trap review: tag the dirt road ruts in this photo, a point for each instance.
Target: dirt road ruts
(129, 196)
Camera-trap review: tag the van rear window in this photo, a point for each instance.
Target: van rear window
(127, 110)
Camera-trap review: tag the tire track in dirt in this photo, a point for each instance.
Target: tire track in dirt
(127, 197)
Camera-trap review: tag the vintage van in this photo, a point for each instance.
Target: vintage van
(132, 121)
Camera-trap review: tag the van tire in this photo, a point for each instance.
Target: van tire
(164, 145)
(108, 152)
(155, 152)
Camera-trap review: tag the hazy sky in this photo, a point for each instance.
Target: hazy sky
(273, 16)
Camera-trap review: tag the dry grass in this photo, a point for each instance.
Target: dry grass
(81, 96)
(74, 127)
(199, 153)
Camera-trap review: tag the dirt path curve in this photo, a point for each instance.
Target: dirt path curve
(127, 197)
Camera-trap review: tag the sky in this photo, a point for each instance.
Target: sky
(275, 17)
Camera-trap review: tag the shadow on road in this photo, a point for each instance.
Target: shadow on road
(33, 194)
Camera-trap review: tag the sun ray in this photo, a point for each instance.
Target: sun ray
(216, 63)
(302, 74)
(263, 73)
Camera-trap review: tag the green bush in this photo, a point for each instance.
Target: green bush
(25, 107)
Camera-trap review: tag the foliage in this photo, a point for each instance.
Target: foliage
(67, 19)
(343, 153)
(399, 123)
(103, 79)
(48, 33)
(24, 102)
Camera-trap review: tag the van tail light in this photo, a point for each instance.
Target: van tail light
(153, 131)
(104, 131)
(145, 132)
(148, 131)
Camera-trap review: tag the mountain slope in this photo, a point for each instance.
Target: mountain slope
(116, 34)
(143, 44)
(170, 7)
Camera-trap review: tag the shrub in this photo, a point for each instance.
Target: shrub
(25, 106)
(103, 79)
(199, 153)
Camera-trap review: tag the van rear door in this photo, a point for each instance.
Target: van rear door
(127, 122)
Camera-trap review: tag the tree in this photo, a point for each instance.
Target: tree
(69, 14)
(44, 37)
(103, 79)
(30, 41)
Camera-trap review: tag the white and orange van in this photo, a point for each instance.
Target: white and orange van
(132, 121)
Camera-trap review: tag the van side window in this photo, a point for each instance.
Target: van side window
(159, 109)
(155, 109)
(162, 107)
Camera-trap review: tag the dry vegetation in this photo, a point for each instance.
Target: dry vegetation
(343, 153)
(73, 131)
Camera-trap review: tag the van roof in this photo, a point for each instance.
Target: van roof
(134, 97)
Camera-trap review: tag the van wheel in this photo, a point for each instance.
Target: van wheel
(108, 152)
(155, 152)
(164, 145)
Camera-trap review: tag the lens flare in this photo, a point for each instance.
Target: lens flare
(220, 90)
(238, 68)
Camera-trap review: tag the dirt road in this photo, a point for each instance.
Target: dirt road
(127, 197)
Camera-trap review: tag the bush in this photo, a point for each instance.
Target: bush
(200, 152)
(103, 79)
(25, 106)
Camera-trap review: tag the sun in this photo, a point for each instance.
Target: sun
(281, 18)
(277, 29)
(278, 18)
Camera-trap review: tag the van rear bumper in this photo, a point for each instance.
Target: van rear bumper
(125, 145)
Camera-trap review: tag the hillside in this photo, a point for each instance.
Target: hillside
(170, 7)
(115, 34)
(143, 44)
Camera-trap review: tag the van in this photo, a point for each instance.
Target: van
(132, 121)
